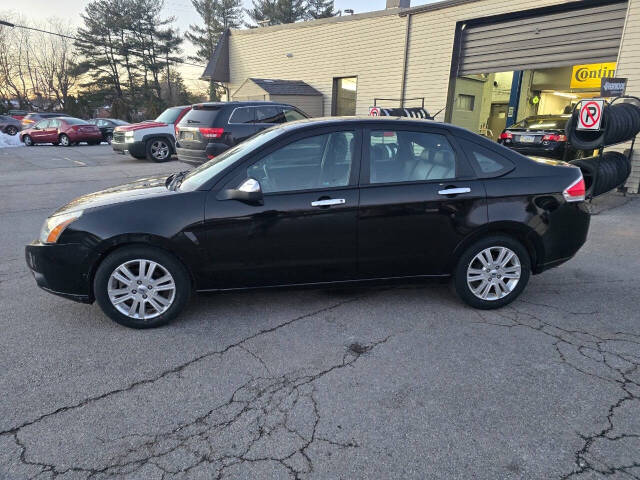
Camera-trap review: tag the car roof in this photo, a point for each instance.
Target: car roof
(370, 121)
(238, 103)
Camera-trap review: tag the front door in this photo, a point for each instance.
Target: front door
(418, 199)
(39, 131)
(305, 232)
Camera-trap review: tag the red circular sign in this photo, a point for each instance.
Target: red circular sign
(590, 114)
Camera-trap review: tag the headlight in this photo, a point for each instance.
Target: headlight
(128, 136)
(54, 226)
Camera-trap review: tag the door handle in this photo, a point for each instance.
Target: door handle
(454, 191)
(328, 202)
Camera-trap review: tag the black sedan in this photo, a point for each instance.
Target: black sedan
(9, 125)
(315, 202)
(106, 126)
(542, 136)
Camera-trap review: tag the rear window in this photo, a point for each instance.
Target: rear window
(204, 115)
(537, 123)
(269, 114)
(170, 115)
(75, 121)
(487, 163)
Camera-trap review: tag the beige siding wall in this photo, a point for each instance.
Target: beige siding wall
(629, 67)
(248, 91)
(370, 48)
(311, 105)
(431, 46)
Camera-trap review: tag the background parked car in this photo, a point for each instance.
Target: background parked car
(9, 125)
(106, 126)
(542, 136)
(151, 139)
(63, 131)
(32, 118)
(211, 128)
(18, 114)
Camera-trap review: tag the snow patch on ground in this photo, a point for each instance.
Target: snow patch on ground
(10, 141)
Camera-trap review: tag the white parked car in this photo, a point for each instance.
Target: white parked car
(152, 139)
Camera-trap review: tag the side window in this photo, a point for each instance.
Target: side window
(43, 124)
(486, 162)
(407, 156)
(318, 162)
(102, 123)
(291, 115)
(242, 115)
(54, 124)
(269, 114)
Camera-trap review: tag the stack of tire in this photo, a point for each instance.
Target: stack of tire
(620, 123)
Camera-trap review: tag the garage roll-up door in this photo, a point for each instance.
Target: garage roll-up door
(544, 40)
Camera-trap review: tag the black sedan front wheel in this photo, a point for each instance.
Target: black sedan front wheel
(11, 130)
(492, 272)
(142, 287)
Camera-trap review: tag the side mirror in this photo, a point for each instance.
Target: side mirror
(248, 191)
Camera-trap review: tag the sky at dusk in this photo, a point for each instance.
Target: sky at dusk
(40, 10)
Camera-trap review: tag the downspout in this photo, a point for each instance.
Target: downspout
(405, 62)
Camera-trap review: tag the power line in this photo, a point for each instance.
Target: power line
(12, 25)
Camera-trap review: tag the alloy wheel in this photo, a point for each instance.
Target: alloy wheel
(64, 141)
(159, 150)
(12, 130)
(493, 273)
(141, 289)
(27, 140)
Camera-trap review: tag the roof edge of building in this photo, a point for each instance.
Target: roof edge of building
(430, 7)
(320, 21)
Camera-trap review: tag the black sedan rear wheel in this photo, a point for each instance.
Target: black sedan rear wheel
(141, 286)
(492, 272)
(108, 138)
(11, 130)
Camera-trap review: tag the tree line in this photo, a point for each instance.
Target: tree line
(126, 54)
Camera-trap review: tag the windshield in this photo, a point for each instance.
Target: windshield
(207, 171)
(169, 115)
(542, 123)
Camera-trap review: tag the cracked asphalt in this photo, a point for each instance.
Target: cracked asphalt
(397, 381)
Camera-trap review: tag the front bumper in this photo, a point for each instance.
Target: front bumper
(137, 149)
(63, 270)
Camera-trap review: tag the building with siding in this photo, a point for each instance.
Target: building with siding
(482, 64)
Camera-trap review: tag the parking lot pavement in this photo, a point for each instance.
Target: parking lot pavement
(382, 382)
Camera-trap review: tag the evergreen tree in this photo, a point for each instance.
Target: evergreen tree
(217, 16)
(320, 9)
(276, 12)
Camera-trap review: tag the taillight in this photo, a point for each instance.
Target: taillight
(211, 132)
(576, 191)
(211, 157)
(554, 137)
(506, 135)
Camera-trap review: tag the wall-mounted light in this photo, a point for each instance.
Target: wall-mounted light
(288, 55)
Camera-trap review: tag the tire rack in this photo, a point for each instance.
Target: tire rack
(602, 146)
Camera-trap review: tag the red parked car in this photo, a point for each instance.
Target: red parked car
(63, 131)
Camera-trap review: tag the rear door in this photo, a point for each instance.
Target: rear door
(51, 132)
(241, 124)
(418, 199)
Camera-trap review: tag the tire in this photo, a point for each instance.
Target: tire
(64, 140)
(108, 138)
(151, 307)
(582, 140)
(158, 150)
(588, 166)
(27, 140)
(469, 263)
(11, 130)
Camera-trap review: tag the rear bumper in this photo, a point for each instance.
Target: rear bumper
(551, 150)
(137, 149)
(566, 234)
(200, 155)
(63, 270)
